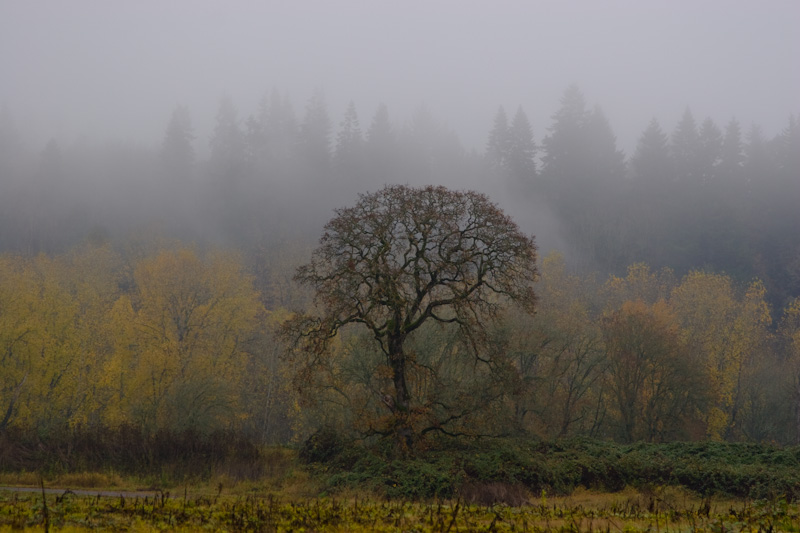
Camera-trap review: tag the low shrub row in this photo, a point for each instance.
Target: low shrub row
(129, 450)
(451, 468)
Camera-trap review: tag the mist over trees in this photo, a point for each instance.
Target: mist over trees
(670, 311)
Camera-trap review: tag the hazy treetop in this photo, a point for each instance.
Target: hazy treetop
(95, 69)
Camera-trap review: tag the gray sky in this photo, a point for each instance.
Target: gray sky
(105, 69)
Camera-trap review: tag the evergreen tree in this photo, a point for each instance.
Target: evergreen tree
(757, 162)
(521, 148)
(349, 141)
(281, 129)
(381, 133)
(315, 133)
(605, 159)
(256, 138)
(497, 147)
(419, 141)
(651, 162)
(381, 146)
(710, 150)
(731, 152)
(565, 147)
(686, 149)
(177, 150)
(788, 151)
(227, 143)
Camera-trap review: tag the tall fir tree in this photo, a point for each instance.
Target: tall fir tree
(685, 149)
(787, 151)
(497, 147)
(227, 143)
(731, 152)
(710, 150)
(349, 140)
(256, 136)
(520, 160)
(605, 159)
(651, 162)
(281, 129)
(565, 146)
(314, 141)
(381, 146)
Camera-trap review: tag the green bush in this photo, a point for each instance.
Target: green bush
(732, 469)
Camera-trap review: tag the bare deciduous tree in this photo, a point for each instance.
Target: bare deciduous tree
(405, 256)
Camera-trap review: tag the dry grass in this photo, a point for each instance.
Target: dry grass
(20, 479)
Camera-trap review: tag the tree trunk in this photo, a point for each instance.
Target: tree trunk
(404, 434)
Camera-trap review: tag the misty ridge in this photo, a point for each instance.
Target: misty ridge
(716, 197)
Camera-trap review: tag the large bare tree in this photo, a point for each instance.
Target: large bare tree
(405, 256)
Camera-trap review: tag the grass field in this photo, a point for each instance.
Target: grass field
(580, 512)
(500, 485)
(253, 508)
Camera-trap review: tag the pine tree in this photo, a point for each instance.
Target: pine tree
(497, 147)
(757, 163)
(349, 141)
(651, 162)
(565, 146)
(256, 137)
(315, 133)
(281, 129)
(381, 146)
(177, 151)
(380, 131)
(227, 143)
(731, 152)
(606, 161)
(521, 149)
(686, 149)
(788, 150)
(710, 150)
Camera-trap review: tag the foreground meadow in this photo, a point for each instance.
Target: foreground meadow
(662, 509)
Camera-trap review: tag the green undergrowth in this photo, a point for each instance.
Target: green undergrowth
(483, 471)
(502, 470)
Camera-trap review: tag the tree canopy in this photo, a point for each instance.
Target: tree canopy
(405, 256)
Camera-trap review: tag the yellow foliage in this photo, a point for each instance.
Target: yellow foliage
(75, 350)
(640, 283)
(724, 331)
(180, 349)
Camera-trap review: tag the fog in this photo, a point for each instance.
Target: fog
(645, 131)
(97, 70)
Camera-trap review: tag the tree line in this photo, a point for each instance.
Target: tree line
(168, 337)
(701, 196)
(672, 313)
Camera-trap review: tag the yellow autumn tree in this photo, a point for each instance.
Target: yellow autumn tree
(724, 331)
(49, 370)
(183, 339)
(790, 333)
(92, 276)
(639, 283)
(653, 388)
(558, 354)
(18, 330)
